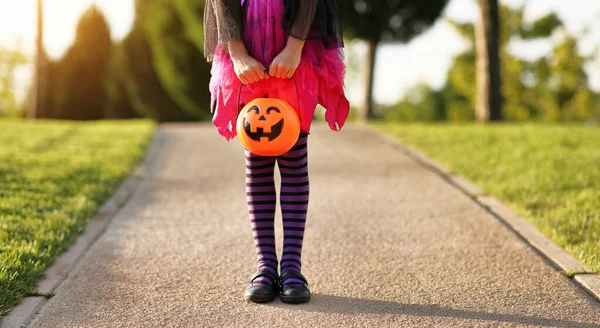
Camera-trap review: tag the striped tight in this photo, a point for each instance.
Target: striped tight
(261, 196)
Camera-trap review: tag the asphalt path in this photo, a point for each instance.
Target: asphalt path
(388, 244)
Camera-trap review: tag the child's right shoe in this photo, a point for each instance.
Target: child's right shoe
(261, 293)
(294, 292)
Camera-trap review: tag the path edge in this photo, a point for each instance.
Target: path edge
(22, 314)
(553, 254)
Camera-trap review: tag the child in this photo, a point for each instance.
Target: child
(263, 44)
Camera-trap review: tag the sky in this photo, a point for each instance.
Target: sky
(398, 67)
(18, 20)
(18, 27)
(428, 57)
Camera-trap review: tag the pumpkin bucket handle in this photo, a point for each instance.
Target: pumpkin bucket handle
(297, 97)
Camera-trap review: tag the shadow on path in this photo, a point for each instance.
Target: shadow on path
(348, 305)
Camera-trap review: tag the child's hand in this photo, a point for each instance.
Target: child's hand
(247, 69)
(286, 63)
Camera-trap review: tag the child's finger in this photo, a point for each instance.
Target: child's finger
(280, 72)
(248, 80)
(252, 76)
(260, 72)
(249, 75)
(291, 73)
(273, 69)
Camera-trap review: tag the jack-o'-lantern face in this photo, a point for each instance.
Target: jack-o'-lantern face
(268, 127)
(263, 123)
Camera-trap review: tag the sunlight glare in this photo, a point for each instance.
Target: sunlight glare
(18, 21)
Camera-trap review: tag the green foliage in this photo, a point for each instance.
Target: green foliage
(119, 105)
(422, 104)
(554, 88)
(76, 88)
(549, 174)
(158, 71)
(543, 27)
(135, 83)
(53, 178)
(378, 20)
(385, 20)
(9, 61)
(190, 12)
(173, 35)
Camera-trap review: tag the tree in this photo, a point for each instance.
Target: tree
(9, 61)
(515, 104)
(119, 104)
(561, 86)
(136, 76)
(38, 91)
(80, 76)
(385, 20)
(145, 75)
(422, 103)
(173, 30)
(552, 88)
(487, 30)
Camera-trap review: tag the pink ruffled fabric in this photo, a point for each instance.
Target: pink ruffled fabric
(319, 78)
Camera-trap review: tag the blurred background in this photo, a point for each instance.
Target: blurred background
(114, 59)
(124, 64)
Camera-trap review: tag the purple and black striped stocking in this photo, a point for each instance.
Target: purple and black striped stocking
(262, 199)
(261, 196)
(293, 166)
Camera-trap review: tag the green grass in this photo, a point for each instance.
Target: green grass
(54, 176)
(548, 174)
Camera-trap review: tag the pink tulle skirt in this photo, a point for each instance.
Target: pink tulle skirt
(319, 77)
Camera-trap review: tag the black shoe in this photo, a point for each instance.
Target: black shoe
(294, 293)
(264, 292)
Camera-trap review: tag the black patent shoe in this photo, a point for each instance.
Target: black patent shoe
(294, 293)
(264, 292)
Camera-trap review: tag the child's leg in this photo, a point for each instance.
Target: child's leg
(261, 196)
(294, 203)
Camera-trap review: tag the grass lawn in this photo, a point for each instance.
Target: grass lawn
(54, 176)
(549, 174)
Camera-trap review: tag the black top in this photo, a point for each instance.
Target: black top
(303, 19)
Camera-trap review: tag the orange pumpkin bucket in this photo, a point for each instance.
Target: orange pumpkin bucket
(268, 126)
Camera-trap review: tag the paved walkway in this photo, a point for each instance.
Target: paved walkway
(388, 244)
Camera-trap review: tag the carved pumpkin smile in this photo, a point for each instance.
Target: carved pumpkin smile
(263, 123)
(260, 132)
(268, 127)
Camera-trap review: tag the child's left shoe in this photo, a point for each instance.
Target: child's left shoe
(294, 293)
(261, 293)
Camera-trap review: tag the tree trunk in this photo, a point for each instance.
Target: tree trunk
(369, 70)
(37, 87)
(489, 94)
